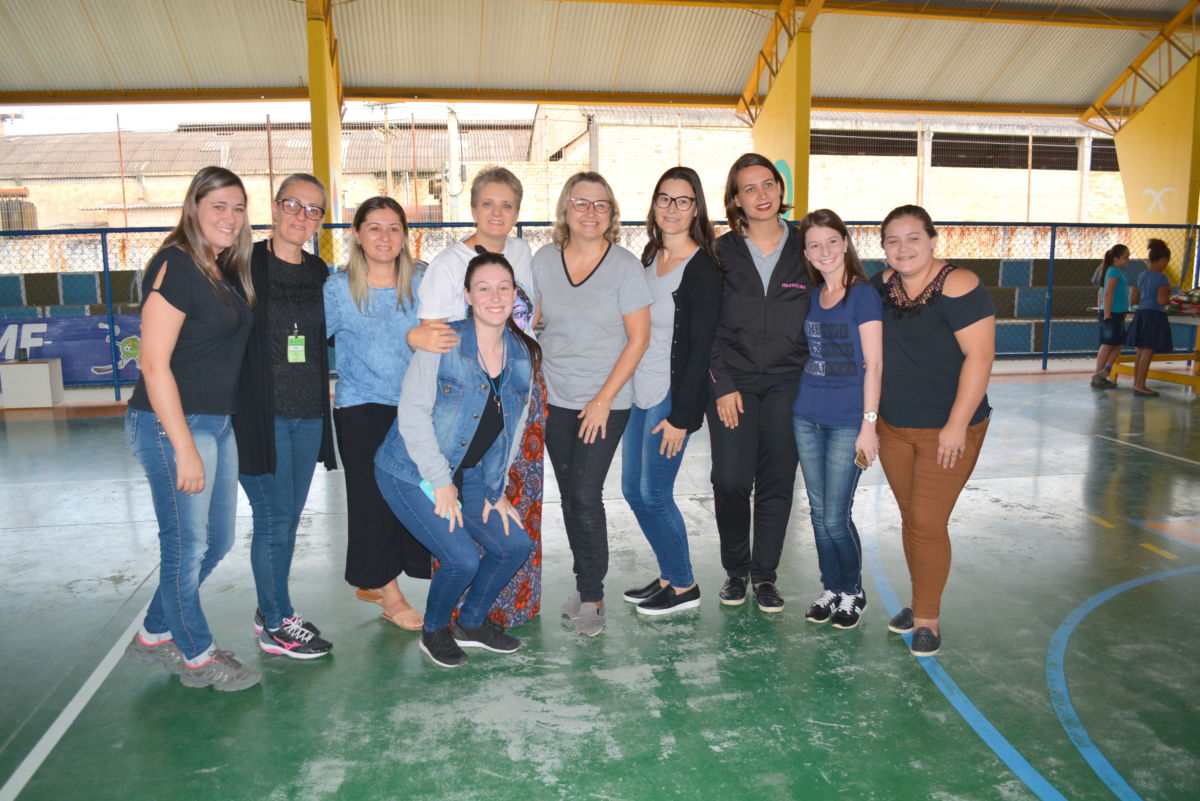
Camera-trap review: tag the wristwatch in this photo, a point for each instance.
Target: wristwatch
(870, 417)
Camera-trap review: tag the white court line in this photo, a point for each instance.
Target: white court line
(1148, 450)
(29, 766)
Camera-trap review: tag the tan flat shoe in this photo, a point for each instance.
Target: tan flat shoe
(370, 596)
(408, 619)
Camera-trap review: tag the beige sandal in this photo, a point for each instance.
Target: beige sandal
(408, 618)
(370, 596)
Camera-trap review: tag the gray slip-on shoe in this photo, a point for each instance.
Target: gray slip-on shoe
(570, 607)
(590, 621)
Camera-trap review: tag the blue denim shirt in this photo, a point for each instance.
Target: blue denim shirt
(441, 402)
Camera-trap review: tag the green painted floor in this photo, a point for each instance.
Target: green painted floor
(1083, 518)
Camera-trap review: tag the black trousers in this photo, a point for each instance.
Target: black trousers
(580, 470)
(758, 456)
(378, 547)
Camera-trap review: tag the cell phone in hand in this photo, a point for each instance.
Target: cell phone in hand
(860, 460)
(427, 488)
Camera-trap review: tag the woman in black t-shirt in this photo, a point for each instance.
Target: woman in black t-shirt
(194, 330)
(939, 333)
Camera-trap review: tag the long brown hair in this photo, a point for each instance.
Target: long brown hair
(826, 218)
(356, 266)
(531, 344)
(234, 261)
(733, 212)
(701, 230)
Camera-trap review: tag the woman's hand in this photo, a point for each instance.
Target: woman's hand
(505, 509)
(729, 407)
(952, 440)
(189, 472)
(445, 504)
(433, 337)
(867, 443)
(672, 439)
(595, 419)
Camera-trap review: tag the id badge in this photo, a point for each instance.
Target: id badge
(295, 349)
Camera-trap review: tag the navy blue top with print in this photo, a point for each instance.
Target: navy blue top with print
(831, 388)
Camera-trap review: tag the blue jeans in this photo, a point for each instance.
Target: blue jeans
(460, 563)
(194, 531)
(830, 477)
(277, 499)
(648, 484)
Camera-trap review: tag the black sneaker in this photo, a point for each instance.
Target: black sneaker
(822, 609)
(441, 648)
(642, 593)
(768, 597)
(925, 642)
(489, 636)
(260, 622)
(294, 640)
(849, 610)
(733, 592)
(902, 623)
(667, 600)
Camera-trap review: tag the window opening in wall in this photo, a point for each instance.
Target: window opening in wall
(1104, 156)
(1003, 151)
(863, 143)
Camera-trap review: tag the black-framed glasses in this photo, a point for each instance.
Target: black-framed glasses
(582, 204)
(664, 201)
(291, 206)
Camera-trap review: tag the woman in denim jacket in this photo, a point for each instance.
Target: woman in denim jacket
(460, 431)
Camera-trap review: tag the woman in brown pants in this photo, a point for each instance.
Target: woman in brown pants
(939, 331)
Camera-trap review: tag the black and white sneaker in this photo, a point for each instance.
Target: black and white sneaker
(820, 610)
(849, 610)
(488, 636)
(441, 648)
(768, 597)
(642, 593)
(294, 640)
(733, 592)
(260, 623)
(668, 600)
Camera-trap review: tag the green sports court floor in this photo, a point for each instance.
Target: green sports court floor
(1070, 669)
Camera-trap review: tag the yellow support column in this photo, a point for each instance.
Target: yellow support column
(325, 103)
(802, 48)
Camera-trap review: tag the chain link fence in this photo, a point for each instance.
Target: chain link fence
(1042, 277)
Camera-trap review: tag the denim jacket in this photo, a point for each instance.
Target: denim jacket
(441, 402)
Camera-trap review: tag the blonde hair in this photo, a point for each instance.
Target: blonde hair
(234, 261)
(561, 233)
(356, 266)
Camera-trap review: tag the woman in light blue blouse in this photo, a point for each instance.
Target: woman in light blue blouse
(1150, 331)
(369, 306)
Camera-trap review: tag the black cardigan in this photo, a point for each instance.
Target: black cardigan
(697, 311)
(254, 423)
(761, 330)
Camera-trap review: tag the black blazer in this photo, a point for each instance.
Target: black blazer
(761, 329)
(254, 423)
(697, 311)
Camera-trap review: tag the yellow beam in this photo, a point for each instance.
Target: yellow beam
(79, 97)
(937, 107)
(812, 10)
(565, 97)
(768, 60)
(923, 11)
(325, 103)
(802, 51)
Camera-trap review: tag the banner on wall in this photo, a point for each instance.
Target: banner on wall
(81, 342)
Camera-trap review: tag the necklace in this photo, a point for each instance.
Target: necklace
(497, 383)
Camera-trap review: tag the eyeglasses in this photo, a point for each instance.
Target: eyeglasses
(664, 201)
(291, 206)
(582, 204)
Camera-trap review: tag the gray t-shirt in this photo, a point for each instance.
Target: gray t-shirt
(652, 379)
(585, 329)
(765, 262)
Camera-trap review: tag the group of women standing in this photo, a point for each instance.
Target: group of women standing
(771, 328)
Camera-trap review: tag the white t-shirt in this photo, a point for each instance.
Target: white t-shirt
(441, 295)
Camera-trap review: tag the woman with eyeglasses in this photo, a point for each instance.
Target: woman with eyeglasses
(595, 303)
(758, 357)
(670, 387)
(370, 305)
(283, 424)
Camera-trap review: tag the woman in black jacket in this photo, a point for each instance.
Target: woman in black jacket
(757, 360)
(283, 423)
(670, 387)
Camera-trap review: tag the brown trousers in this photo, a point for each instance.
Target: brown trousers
(926, 493)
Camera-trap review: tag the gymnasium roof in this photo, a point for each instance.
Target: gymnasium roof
(984, 56)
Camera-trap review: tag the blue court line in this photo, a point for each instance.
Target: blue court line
(1060, 696)
(1009, 755)
(1142, 525)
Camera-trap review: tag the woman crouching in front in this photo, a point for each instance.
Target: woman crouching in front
(459, 432)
